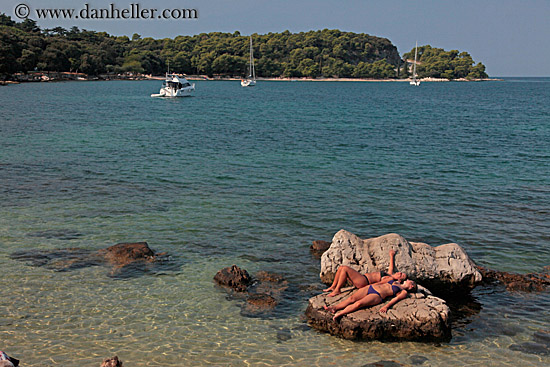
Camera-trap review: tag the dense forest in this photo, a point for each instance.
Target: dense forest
(327, 53)
(438, 63)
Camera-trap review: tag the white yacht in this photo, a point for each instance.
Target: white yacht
(415, 82)
(175, 86)
(251, 80)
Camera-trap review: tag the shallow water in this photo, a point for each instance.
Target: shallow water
(251, 177)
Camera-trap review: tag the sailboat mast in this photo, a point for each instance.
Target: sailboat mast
(415, 56)
(252, 70)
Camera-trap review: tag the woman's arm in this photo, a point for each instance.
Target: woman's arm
(392, 262)
(400, 296)
(390, 269)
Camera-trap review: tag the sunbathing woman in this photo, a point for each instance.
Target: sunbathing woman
(359, 280)
(373, 295)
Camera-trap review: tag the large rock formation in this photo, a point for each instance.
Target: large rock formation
(420, 316)
(435, 267)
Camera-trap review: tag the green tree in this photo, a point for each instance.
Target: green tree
(308, 68)
(229, 65)
(28, 60)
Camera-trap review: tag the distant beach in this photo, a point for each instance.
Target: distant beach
(69, 76)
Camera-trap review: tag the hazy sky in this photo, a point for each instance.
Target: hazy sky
(511, 37)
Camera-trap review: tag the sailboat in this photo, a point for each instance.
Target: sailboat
(251, 80)
(414, 81)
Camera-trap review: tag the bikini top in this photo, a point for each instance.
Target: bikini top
(395, 289)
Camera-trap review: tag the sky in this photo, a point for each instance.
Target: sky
(510, 37)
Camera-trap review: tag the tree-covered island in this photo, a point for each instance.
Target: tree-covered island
(327, 53)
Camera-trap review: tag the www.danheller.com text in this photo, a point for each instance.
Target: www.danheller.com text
(132, 11)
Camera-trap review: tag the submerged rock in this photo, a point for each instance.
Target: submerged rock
(125, 259)
(233, 277)
(542, 337)
(443, 267)
(420, 317)
(517, 282)
(59, 259)
(417, 360)
(129, 258)
(262, 293)
(532, 348)
(319, 247)
(284, 335)
(124, 253)
(258, 303)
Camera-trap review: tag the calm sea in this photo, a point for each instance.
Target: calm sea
(251, 177)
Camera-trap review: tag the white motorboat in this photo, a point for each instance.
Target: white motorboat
(415, 82)
(175, 86)
(251, 80)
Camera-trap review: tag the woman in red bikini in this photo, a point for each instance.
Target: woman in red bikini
(373, 295)
(359, 280)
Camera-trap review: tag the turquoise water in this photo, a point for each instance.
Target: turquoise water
(250, 176)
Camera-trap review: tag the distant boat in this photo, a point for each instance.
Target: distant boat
(175, 86)
(251, 80)
(414, 81)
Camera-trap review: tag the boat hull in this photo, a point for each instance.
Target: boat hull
(171, 93)
(248, 83)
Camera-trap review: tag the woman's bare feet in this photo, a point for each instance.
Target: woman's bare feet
(336, 316)
(329, 309)
(328, 289)
(334, 293)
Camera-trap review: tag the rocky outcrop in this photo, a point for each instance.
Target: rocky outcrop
(262, 293)
(518, 282)
(420, 317)
(123, 254)
(319, 247)
(440, 267)
(233, 277)
(124, 259)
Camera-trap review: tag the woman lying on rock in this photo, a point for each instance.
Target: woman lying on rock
(373, 295)
(360, 281)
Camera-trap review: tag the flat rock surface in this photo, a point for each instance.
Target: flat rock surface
(420, 316)
(434, 267)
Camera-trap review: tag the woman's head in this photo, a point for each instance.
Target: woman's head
(410, 286)
(399, 276)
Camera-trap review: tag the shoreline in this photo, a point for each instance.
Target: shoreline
(423, 80)
(20, 80)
